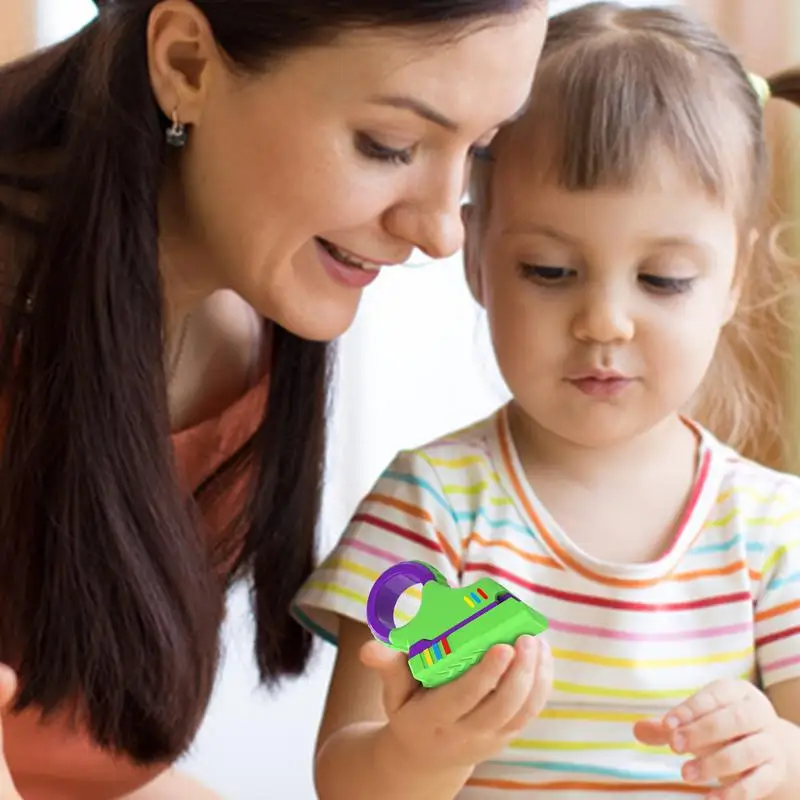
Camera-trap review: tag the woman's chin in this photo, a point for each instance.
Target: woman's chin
(317, 322)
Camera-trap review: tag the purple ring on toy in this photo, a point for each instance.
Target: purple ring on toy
(387, 590)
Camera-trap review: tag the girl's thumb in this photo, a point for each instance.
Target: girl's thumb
(398, 682)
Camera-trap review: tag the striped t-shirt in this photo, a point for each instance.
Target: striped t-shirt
(629, 641)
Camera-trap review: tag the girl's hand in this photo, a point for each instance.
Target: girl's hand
(734, 733)
(8, 688)
(469, 719)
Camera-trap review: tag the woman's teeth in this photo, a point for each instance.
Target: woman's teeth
(348, 258)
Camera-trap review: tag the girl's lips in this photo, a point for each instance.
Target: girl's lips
(601, 387)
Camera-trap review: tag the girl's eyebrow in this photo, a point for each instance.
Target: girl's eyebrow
(691, 242)
(542, 230)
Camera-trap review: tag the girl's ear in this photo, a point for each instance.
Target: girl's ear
(472, 261)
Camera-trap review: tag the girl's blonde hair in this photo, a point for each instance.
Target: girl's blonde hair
(615, 82)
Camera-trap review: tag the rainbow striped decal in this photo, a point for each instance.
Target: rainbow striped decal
(436, 652)
(472, 599)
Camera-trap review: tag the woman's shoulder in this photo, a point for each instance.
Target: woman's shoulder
(47, 755)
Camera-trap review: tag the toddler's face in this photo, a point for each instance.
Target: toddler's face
(605, 306)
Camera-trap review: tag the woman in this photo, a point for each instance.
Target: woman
(194, 196)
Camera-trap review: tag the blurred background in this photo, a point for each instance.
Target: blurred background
(416, 364)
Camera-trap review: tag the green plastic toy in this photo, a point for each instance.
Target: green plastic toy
(453, 627)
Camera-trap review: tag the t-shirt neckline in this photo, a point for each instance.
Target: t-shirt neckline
(708, 477)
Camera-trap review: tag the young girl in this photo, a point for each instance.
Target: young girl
(613, 243)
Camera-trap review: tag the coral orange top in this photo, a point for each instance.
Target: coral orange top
(51, 760)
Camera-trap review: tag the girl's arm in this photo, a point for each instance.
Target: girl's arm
(355, 755)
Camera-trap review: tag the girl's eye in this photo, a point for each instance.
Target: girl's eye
(662, 285)
(545, 275)
(376, 151)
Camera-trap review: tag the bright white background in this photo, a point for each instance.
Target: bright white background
(415, 365)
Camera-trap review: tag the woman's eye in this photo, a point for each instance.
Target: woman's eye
(372, 149)
(545, 275)
(662, 285)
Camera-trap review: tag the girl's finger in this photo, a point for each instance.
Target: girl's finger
(456, 699)
(497, 710)
(759, 784)
(651, 732)
(744, 718)
(398, 682)
(735, 758)
(537, 697)
(718, 694)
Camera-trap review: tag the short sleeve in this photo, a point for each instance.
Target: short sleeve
(406, 516)
(777, 617)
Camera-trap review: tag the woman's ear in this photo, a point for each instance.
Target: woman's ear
(181, 53)
(472, 250)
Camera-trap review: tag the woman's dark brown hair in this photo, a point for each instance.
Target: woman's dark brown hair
(109, 595)
(786, 85)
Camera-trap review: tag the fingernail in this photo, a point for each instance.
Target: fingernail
(545, 646)
(672, 722)
(507, 654)
(679, 743)
(691, 772)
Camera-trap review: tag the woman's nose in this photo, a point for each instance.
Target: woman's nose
(430, 219)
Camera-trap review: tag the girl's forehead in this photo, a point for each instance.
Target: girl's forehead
(667, 204)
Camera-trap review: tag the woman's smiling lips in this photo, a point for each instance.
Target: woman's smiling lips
(348, 268)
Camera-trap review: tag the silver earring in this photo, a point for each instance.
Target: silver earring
(176, 133)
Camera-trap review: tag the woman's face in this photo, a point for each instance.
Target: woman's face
(297, 185)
